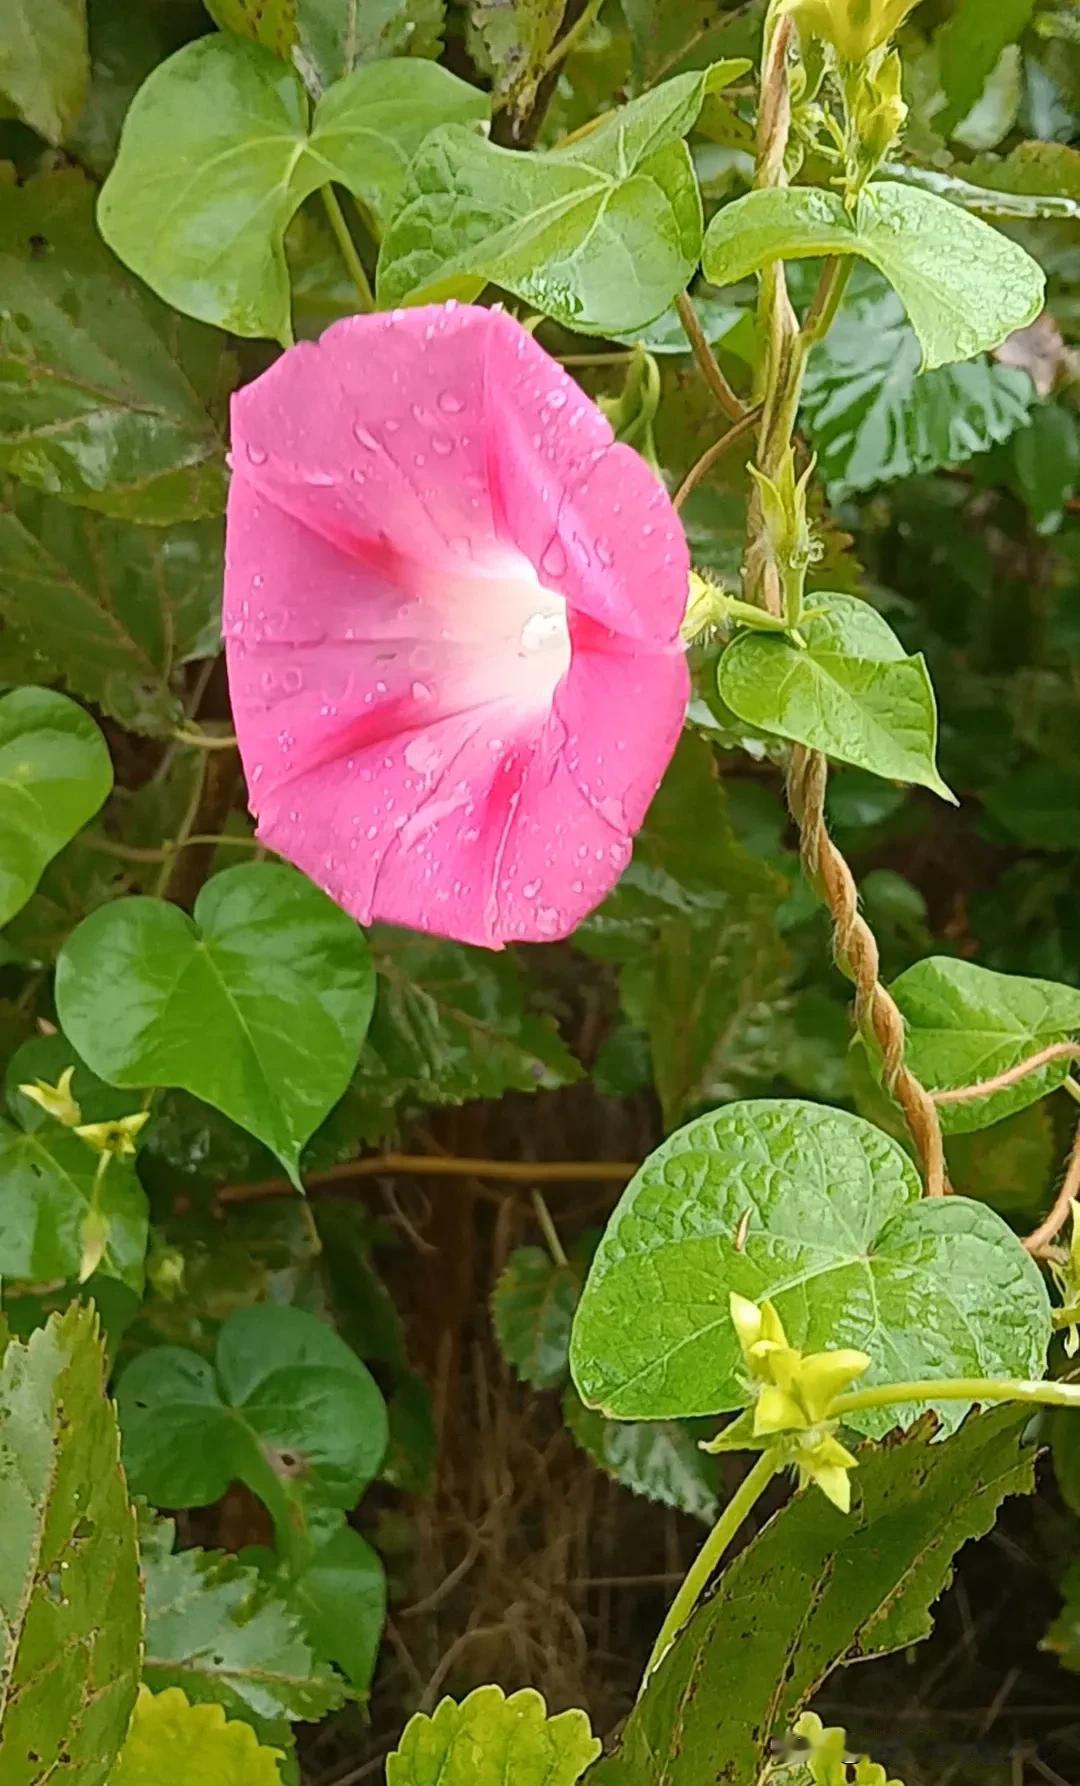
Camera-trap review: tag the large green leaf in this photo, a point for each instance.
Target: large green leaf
(823, 1213)
(532, 1308)
(600, 235)
(452, 1023)
(45, 63)
(814, 1589)
(489, 1739)
(173, 1743)
(218, 150)
(108, 400)
(848, 690)
(69, 1585)
(871, 417)
(214, 1628)
(258, 1004)
(55, 772)
(966, 1024)
(659, 1459)
(112, 608)
(964, 286)
(287, 1407)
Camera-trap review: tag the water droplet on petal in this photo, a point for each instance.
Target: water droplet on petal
(256, 454)
(556, 399)
(553, 563)
(531, 889)
(421, 691)
(442, 444)
(450, 403)
(365, 437)
(604, 552)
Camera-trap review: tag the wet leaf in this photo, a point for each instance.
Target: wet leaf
(239, 117)
(55, 772)
(258, 1004)
(69, 1584)
(109, 401)
(824, 1214)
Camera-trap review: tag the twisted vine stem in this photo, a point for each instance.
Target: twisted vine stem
(787, 347)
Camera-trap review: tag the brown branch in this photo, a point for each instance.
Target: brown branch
(732, 406)
(1012, 1076)
(712, 454)
(876, 1012)
(438, 1166)
(1040, 1237)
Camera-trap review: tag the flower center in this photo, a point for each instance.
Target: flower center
(546, 629)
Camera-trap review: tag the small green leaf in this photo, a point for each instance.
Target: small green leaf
(334, 39)
(488, 1739)
(173, 1743)
(109, 400)
(340, 1595)
(452, 1023)
(215, 1628)
(872, 418)
(966, 1024)
(532, 1307)
(50, 1191)
(659, 1459)
(45, 63)
(55, 772)
(510, 41)
(848, 691)
(218, 147)
(287, 1407)
(258, 1004)
(111, 608)
(600, 235)
(969, 47)
(822, 1213)
(964, 285)
(69, 1584)
(815, 1589)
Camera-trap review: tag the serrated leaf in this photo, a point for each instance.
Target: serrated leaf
(510, 41)
(108, 398)
(111, 608)
(966, 1024)
(822, 1213)
(849, 691)
(69, 1584)
(214, 1628)
(863, 1584)
(452, 1023)
(964, 285)
(238, 117)
(286, 1407)
(600, 235)
(658, 1459)
(55, 772)
(45, 63)
(532, 1308)
(488, 1739)
(872, 418)
(173, 1743)
(258, 1004)
(708, 993)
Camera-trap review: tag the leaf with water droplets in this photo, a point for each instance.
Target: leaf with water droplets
(69, 1585)
(239, 117)
(55, 772)
(847, 690)
(824, 1214)
(964, 286)
(259, 1004)
(286, 1407)
(601, 234)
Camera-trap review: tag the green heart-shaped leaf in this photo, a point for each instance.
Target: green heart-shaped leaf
(849, 691)
(286, 1407)
(218, 150)
(834, 1230)
(964, 285)
(600, 235)
(966, 1024)
(55, 772)
(488, 1739)
(257, 1005)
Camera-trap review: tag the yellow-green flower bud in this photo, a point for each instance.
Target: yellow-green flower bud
(116, 1137)
(56, 1100)
(854, 28)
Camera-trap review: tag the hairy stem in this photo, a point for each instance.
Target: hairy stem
(985, 1088)
(744, 426)
(708, 364)
(705, 1563)
(1047, 1230)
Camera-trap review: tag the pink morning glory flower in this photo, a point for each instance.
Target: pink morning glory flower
(452, 610)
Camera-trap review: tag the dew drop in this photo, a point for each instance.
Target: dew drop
(553, 563)
(556, 399)
(256, 454)
(365, 437)
(531, 889)
(442, 444)
(450, 403)
(604, 552)
(421, 691)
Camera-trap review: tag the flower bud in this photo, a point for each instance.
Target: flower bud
(56, 1100)
(854, 28)
(116, 1137)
